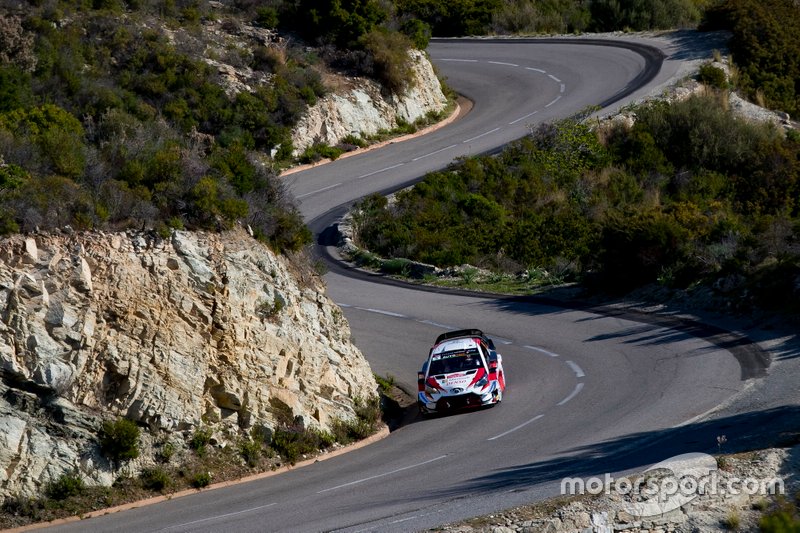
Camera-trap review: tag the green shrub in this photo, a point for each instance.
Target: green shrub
(166, 452)
(119, 439)
(267, 17)
(386, 383)
(251, 451)
(200, 439)
(365, 423)
(272, 309)
(155, 478)
(64, 487)
(391, 62)
(765, 47)
(713, 76)
(783, 519)
(293, 443)
(18, 506)
(418, 32)
(316, 152)
(200, 480)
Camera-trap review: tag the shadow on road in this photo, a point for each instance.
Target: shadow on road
(778, 427)
(692, 44)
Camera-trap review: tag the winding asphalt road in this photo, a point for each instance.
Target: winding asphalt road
(590, 391)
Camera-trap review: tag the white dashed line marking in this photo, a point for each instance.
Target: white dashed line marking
(554, 78)
(461, 60)
(522, 118)
(379, 171)
(501, 63)
(382, 475)
(575, 368)
(534, 419)
(563, 87)
(542, 350)
(574, 393)
(481, 135)
(554, 101)
(536, 70)
(381, 312)
(436, 324)
(318, 190)
(217, 517)
(434, 153)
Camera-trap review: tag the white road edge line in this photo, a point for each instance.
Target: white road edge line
(379, 171)
(574, 393)
(554, 101)
(461, 60)
(563, 87)
(536, 70)
(534, 419)
(434, 153)
(536, 348)
(481, 135)
(318, 190)
(554, 78)
(382, 475)
(226, 515)
(501, 63)
(522, 118)
(575, 368)
(381, 312)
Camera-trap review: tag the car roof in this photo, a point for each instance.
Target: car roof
(449, 345)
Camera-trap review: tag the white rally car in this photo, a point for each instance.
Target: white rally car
(463, 370)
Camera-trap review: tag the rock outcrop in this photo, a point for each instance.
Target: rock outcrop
(172, 333)
(367, 108)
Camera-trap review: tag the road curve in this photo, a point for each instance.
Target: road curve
(589, 391)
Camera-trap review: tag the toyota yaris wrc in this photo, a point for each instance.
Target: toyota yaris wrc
(463, 370)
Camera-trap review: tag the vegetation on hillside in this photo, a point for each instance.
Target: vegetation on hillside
(113, 114)
(688, 194)
(479, 17)
(765, 48)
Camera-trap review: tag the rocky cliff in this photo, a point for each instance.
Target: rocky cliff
(366, 108)
(168, 332)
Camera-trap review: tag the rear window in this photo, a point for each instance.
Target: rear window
(455, 361)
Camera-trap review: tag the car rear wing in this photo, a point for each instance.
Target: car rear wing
(464, 333)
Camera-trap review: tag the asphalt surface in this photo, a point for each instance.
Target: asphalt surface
(589, 391)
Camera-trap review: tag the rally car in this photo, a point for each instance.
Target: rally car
(463, 370)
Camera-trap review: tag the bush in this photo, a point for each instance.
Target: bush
(765, 46)
(391, 64)
(250, 451)
(64, 487)
(200, 439)
(200, 480)
(316, 152)
(712, 76)
(24, 507)
(293, 443)
(783, 519)
(155, 478)
(364, 424)
(119, 439)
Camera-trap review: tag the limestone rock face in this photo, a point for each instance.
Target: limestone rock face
(167, 332)
(365, 109)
